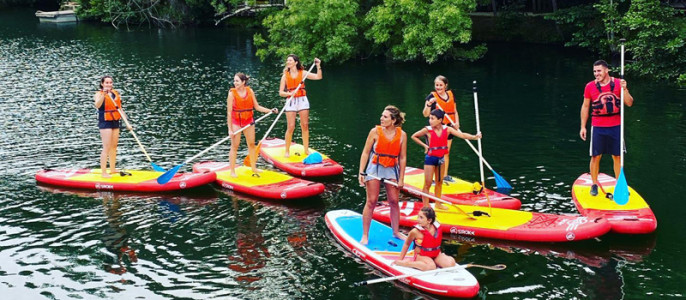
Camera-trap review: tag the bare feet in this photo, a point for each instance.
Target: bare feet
(440, 206)
(105, 175)
(399, 235)
(364, 240)
(287, 154)
(233, 174)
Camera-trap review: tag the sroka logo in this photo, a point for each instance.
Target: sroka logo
(182, 184)
(570, 236)
(227, 186)
(359, 253)
(104, 186)
(454, 230)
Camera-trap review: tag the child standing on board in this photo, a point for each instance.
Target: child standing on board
(427, 237)
(437, 134)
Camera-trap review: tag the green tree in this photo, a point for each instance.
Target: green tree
(327, 29)
(655, 34)
(421, 29)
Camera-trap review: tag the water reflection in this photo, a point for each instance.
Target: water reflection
(115, 237)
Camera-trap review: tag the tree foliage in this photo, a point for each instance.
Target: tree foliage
(159, 13)
(655, 34)
(427, 30)
(327, 29)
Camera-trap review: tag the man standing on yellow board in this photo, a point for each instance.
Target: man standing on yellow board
(602, 97)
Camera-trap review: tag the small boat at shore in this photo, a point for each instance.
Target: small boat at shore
(66, 14)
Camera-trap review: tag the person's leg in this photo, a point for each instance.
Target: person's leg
(438, 188)
(290, 128)
(617, 160)
(106, 137)
(421, 262)
(393, 193)
(114, 141)
(372, 197)
(305, 127)
(235, 142)
(444, 261)
(250, 140)
(428, 173)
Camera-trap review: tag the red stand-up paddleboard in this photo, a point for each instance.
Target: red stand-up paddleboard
(505, 224)
(383, 249)
(127, 180)
(635, 217)
(273, 150)
(269, 184)
(459, 192)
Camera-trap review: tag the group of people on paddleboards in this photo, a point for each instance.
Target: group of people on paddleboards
(240, 102)
(384, 156)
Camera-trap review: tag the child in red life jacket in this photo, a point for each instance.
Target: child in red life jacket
(427, 237)
(437, 134)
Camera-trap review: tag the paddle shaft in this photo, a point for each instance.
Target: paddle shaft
(287, 102)
(621, 110)
(226, 138)
(128, 125)
(468, 141)
(456, 267)
(428, 196)
(478, 129)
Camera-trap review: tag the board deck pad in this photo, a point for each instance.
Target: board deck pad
(133, 181)
(273, 151)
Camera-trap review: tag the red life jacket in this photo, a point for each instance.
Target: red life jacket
(111, 110)
(242, 108)
(386, 151)
(607, 103)
(448, 106)
(429, 245)
(438, 145)
(292, 83)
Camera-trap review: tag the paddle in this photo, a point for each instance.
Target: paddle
(246, 161)
(476, 213)
(123, 116)
(499, 180)
(621, 194)
(498, 267)
(164, 178)
(478, 142)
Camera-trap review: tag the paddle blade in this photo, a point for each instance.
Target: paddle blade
(246, 161)
(621, 194)
(501, 182)
(157, 168)
(164, 178)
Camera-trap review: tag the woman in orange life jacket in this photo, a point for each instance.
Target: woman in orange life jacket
(108, 101)
(239, 113)
(437, 149)
(292, 76)
(427, 237)
(384, 154)
(443, 97)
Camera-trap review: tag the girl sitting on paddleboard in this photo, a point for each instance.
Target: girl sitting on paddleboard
(239, 113)
(442, 98)
(436, 150)
(384, 154)
(291, 78)
(427, 237)
(108, 102)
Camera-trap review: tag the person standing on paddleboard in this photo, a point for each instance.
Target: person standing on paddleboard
(385, 157)
(240, 104)
(438, 135)
(108, 103)
(442, 98)
(291, 78)
(427, 237)
(602, 98)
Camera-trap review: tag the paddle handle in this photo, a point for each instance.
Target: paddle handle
(468, 141)
(128, 125)
(286, 104)
(621, 110)
(478, 130)
(226, 138)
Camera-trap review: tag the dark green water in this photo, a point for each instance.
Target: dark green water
(209, 243)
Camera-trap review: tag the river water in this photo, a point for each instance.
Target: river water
(209, 243)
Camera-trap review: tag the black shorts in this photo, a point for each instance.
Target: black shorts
(109, 124)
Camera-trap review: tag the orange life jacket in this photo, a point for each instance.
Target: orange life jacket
(448, 106)
(429, 245)
(292, 83)
(111, 111)
(242, 108)
(386, 151)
